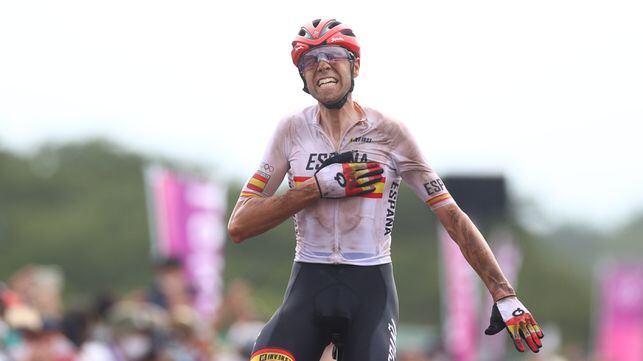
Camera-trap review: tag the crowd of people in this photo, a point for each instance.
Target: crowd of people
(157, 323)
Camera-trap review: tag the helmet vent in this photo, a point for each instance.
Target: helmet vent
(302, 32)
(316, 22)
(333, 24)
(347, 32)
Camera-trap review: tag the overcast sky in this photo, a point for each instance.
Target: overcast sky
(548, 93)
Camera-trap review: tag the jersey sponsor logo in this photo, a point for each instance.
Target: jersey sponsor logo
(258, 181)
(272, 354)
(390, 210)
(315, 160)
(434, 187)
(392, 348)
(361, 140)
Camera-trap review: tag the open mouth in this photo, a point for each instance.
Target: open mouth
(326, 82)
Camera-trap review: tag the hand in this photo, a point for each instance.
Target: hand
(511, 313)
(338, 177)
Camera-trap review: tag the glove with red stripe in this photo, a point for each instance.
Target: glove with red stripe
(509, 312)
(339, 177)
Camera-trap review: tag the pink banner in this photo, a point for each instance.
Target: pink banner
(187, 216)
(460, 300)
(620, 326)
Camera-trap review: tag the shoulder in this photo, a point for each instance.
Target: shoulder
(385, 123)
(293, 125)
(298, 118)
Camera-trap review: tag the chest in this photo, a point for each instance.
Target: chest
(311, 148)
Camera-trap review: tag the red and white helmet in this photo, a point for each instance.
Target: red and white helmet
(323, 32)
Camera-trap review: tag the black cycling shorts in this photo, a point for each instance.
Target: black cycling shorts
(354, 307)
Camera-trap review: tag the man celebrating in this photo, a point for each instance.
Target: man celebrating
(344, 164)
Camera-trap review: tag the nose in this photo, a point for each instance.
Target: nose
(322, 64)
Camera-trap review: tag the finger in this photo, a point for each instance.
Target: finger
(515, 336)
(524, 333)
(534, 324)
(534, 335)
(361, 182)
(368, 172)
(365, 190)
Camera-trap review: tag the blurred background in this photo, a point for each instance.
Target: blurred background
(128, 128)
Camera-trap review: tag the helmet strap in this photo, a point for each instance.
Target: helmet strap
(305, 89)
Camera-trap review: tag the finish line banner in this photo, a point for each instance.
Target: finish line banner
(187, 223)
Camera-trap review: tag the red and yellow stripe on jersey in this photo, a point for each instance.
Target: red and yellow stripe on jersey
(249, 194)
(439, 200)
(377, 193)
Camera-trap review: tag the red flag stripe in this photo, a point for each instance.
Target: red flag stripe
(259, 177)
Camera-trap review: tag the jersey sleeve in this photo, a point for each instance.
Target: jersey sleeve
(273, 165)
(416, 171)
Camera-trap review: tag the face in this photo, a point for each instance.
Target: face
(329, 78)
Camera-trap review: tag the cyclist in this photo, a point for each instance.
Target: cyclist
(344, 164)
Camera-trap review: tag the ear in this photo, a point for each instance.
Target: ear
(356, 67)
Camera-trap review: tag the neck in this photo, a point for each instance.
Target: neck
(336, 121)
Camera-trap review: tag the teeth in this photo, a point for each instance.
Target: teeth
(326, 81)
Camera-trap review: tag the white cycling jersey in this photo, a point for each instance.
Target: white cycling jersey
(354, 230)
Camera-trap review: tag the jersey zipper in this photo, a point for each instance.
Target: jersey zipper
(335, 248)
(335, 257)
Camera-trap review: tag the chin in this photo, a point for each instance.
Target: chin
(330, 98)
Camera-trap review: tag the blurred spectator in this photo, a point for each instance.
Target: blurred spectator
(34, 340)
(237, 319)
(170, 287)
(40, 287)
(139, 330)
(189, 337)
(242, 335)
(76, 326)
(237, 305)
(99, 328)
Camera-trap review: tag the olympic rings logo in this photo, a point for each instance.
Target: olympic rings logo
(267, 168)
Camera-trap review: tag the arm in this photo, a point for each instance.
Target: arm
(254, 215)
(336, 178)
(475, 250)
(507, 312)
(428, 186)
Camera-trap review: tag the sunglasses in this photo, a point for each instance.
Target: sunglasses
(329, 54)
